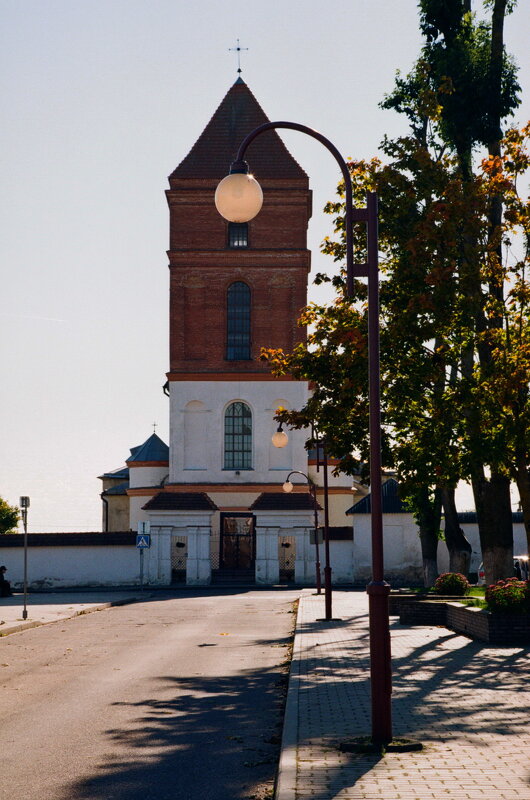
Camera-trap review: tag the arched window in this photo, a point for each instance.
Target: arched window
(238, 436)
(238, 322)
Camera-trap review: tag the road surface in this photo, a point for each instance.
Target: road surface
(177, 697)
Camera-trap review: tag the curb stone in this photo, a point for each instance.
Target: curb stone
(287, 768)
(38, 624)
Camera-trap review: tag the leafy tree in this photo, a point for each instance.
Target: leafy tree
(477, 88)
(9, 517)
(444, 314)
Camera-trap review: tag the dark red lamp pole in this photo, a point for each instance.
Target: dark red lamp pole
(378, 589)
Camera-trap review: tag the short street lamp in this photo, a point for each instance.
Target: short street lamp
(24, 505)
(239, 198)
(288, 487)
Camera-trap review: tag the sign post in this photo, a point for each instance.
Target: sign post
(24, 505)
(143, 542)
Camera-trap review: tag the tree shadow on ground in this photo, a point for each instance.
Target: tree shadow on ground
(208, 737)
(216, 738)
(447, 689)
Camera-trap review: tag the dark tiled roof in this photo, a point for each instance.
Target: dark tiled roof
(282, 501)
(121, 488)
(180, 501)
(215, 149)
(392, 503)
(122, 472)
(154, 449)
(72, 539)
(471, 517)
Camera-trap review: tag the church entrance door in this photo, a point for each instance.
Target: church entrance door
(238, 541)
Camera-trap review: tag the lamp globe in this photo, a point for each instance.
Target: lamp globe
(238, 197)
(279, 439)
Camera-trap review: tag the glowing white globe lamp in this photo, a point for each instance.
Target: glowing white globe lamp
(238, 197)
(279, 439)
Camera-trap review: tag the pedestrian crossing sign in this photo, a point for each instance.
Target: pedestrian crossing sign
(143, 540)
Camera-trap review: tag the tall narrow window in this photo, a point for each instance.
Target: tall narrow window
(238, 436)
(238, 234)
(238, 322)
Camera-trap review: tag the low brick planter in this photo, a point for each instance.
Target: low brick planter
(400, 602)
(509, 629)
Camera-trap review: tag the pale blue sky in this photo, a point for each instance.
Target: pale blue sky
(100, 100)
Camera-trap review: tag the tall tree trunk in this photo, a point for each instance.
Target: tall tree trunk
(494, 517)
(457, 544)
(522, 477)
(429, 516)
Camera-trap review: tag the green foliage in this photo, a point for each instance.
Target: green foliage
(509, 597)
(455, 321)
(474, 91)
(9, 517)
(451, 583)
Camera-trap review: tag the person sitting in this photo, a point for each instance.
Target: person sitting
(5, 586)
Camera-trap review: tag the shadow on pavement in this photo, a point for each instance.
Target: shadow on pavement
(449, 689)
(213, 738)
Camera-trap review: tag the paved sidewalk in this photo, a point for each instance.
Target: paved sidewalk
(47, 607)
(466, 701)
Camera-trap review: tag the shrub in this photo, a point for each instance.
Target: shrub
(509, 597)
(451, 583)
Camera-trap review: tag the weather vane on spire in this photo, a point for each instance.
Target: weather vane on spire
(154, 424)
(238, 50)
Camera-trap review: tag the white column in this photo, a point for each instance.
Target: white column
(198, 567)
(157, 558)
(304, 568)
(267, 563)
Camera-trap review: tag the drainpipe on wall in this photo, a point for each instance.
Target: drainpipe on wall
(105, 513)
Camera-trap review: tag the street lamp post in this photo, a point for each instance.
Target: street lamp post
(288, 487)
(24, 505)
(239, 198)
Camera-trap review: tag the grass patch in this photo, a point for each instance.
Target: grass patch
(473, 602)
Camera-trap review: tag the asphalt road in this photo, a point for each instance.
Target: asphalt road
(176, 697)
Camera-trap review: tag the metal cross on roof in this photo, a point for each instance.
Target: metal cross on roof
(154, 424)
(238, 50)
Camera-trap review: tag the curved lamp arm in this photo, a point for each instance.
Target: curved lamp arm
(240, 165)
(297, 472)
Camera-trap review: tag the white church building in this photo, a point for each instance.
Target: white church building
(214, 496)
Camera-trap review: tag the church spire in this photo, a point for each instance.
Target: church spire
(216, 147)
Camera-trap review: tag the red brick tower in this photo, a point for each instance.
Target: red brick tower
(207, 255)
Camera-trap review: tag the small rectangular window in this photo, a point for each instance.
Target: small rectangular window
(238, 234)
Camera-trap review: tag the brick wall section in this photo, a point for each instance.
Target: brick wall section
(399, 601)
(423, 613)
(198, 312)
(507, 629)
(275, 265)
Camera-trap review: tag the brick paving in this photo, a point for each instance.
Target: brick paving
(466, 701)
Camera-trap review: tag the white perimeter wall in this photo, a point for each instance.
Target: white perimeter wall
(402, 547)
(64, 566)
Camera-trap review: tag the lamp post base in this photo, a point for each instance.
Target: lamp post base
(380, 665)
(327, 592)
